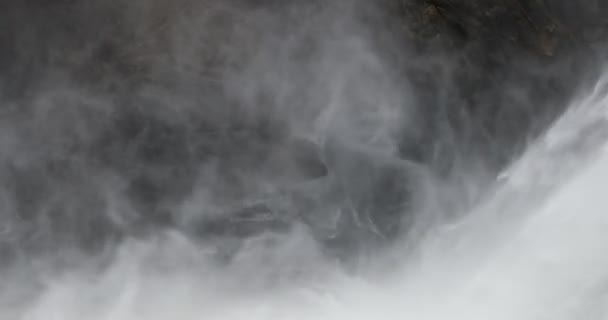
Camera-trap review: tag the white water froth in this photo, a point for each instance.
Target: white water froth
(537, 248)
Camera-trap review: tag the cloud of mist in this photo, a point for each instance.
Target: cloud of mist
(546, 255)
(230, 159)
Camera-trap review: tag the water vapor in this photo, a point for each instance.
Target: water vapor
(295, 160)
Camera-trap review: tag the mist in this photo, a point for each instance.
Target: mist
(284, 160)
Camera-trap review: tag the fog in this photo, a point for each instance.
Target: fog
(285, 160)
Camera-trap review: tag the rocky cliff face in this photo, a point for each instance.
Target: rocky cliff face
(511, 64)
